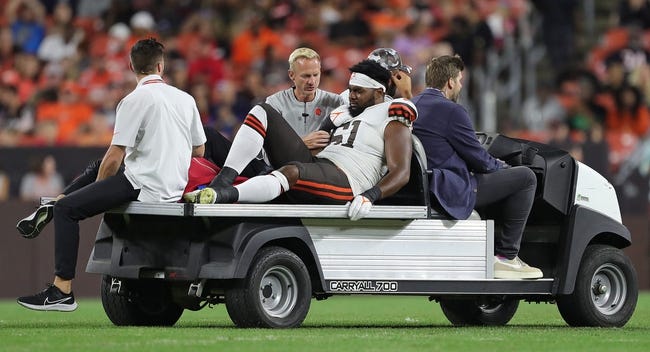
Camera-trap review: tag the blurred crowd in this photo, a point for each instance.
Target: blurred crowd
(597, 107)
(64, 63)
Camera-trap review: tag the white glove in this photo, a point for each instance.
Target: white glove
(359, 208)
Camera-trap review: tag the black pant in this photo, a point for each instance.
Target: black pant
(87, 177)
(512, 190)
(86, 201)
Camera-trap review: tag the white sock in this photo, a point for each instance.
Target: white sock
(248, 141)
(259, 189)
(284, 183)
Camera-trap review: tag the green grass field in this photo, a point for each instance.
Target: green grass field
(341, 323)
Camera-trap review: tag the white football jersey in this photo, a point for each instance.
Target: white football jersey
(357, 144)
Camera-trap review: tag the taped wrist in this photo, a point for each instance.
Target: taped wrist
(372, 194)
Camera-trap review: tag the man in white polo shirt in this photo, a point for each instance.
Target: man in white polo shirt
(157, 132)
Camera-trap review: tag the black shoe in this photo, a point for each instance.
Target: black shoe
(49, 299)
(31, 226)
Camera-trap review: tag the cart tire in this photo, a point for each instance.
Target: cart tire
(605, 292)
(475, 312)
(276, 292)
(146, 305)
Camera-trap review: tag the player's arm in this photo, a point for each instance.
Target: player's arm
(398, 148)
(198, 150)
(111, 161)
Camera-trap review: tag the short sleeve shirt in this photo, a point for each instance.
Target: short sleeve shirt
(159, 125)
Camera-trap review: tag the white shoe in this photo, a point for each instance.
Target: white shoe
(514, 269)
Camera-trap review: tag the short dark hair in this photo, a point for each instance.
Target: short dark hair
(373, 70)
(145, 54)
(441, 69)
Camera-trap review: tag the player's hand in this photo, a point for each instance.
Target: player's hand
(402, 83)
(359, 208)
(316, 139)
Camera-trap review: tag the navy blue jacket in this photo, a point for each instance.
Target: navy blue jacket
(453, 152)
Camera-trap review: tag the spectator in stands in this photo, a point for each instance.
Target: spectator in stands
(7, 49)
(559, 30)
(229, 106)
(351, 29)
(615, 75)
(416, 46)
(630, 113)
(42, 181)
(470, 37)
(578, 94)
(595, 150)
(633, 13)
(97, 132)
(386, 21)
(634, 55)
(143, 25)
(206, 66)
(201, 94)
(14, 114)
(63, 37)
(250, 45)
(26, 19)
(560, 136)
(634, 58)
(28, 69)
(69, 112)
(541, 109)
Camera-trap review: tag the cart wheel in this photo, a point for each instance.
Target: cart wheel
(605, 292)
(146, 305)
(276, 292)
(482, 311)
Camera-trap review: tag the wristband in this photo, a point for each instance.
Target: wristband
(372, 194)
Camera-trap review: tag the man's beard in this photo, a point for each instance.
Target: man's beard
(356, 110)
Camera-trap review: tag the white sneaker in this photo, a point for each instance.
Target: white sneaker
(514, 269)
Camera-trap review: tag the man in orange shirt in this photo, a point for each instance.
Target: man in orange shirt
(69, 112)
(251, 44)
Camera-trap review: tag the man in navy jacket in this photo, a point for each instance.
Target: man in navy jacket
(464, 174)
